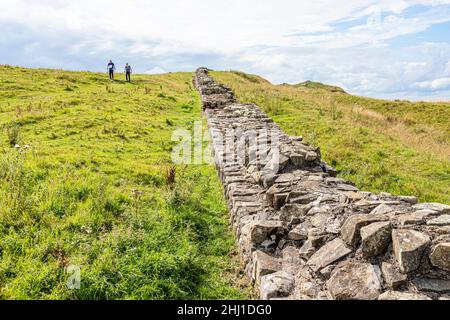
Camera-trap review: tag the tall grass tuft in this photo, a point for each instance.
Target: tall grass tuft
(13, 133)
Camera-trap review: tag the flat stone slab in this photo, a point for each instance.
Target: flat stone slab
(396, 295)
(438, 207)
(409, 246)
(442, 220)
(329, 253)
(436, 285)
(440, 256)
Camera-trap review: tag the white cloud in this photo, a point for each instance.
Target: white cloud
(155, 70)
(436, 84)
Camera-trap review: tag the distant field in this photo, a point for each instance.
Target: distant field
(96, 190)
(392, 146)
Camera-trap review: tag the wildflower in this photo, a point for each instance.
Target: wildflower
(137, 193)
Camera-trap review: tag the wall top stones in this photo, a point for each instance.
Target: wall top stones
(302, 232)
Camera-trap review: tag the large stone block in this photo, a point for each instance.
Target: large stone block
(375, 238)
(355, 281)
(440, 256)
(409, 246)
(350, 231)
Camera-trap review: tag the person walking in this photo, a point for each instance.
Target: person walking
(111, 68)
(128, 72)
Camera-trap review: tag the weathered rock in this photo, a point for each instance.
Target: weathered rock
(438, 207)
(396, 295)
(392, 277)
(428, 284)
(320, 220)
(409, 246)
(329, 253)
(382, 209)
(276, 285)
(355, 281)
(409, 199)
(351, 227)
(291, 259)
(316, 237)
(414, 218)
(261, 230)
(300, 232)
(264, 264)
(307, 250)
(442, 220)
(375, 238)
(440, 256)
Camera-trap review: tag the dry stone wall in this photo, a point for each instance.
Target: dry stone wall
(302, 232)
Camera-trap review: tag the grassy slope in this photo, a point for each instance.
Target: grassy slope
(68, 200)
(392, 146)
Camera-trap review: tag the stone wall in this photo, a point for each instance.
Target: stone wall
(302, 232)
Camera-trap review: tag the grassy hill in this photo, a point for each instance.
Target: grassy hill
(96, 190)
(318, 85)
(92, 185)
(392, 146)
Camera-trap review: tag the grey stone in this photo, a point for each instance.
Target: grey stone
(409, 246)
(328, 254)
(396, 295)
(440, 256)
(413, 218)
(320, 220)
(354, 281)
(408, 199)
(264, 264)
(351, 227)
(393, 278)
(438, 207)
(307, 250)
(346, 187)
(382, 209)
(375, 238)
(300, 232)
(261, 230)
(276, 285)
(428, 284)
(316, 236)
(442, 220)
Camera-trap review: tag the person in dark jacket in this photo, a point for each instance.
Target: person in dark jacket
(128, 72)
(111, 68)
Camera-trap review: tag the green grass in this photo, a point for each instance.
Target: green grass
(69, 199)
(383, 146)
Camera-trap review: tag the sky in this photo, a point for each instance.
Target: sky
(392, 49)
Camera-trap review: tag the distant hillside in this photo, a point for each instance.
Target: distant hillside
(395, 146)
(319, 85)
